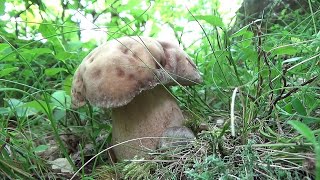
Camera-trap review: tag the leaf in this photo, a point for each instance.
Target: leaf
(39, 106)
(19, 107)
(63, 55)
(54, 71)
(304, 130)
(7, 71)
(62, 164)
(240, 32)
(31, 54)
(130, 5)
(285, 50)
(4, 111)
(41, 51)
(298, 106)
(40, 148)
(48, 31)
(67, 83)
(61, 99)
(14, 102)
(2, 6)
(213, 20)
(247, 38)
(4, 46)
(288, 108)
(58, 114)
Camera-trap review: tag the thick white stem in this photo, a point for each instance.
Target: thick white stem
(147, 115)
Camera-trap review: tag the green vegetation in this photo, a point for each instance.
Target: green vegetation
(273, 67)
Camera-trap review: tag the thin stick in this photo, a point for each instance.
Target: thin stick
(233, 133)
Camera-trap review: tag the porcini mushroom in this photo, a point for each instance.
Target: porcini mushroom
(129, 75)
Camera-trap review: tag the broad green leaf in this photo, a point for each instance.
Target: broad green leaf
(239, 33)
(4, 46)
(288, 108)
(48, 31)
(31, 54)
(63, 55)
(67, 83)
(14, 102)
(7, 71)
(54, 71)
(285, 50)
(59, 114)
(19, 108)
(247, 38)
(298, 106)
(61, 99)
(213, 20)
(41, 51)
(39, 106)
(40, 148)
(4, 111)
(304, 130)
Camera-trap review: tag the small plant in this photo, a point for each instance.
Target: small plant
(211, 167)
(270, 65)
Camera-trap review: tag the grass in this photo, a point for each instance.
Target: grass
(267, 129)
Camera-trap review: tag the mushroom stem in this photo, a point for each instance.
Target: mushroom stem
(149, 114)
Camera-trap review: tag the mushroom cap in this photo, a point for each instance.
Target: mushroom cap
(115, 72)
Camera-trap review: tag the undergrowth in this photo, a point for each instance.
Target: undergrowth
(271, 68)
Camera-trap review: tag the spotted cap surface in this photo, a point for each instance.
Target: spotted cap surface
(115, 72)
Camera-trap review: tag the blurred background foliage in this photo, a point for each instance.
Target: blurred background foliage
(268, 50)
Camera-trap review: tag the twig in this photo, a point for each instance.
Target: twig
(260, 52)
(283, 96)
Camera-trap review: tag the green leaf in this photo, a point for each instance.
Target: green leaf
(4, 46)
(67, 83)
(59, 114)
(288, 108)
(39, 106)
(213, 20)
(48, 31)
(285, 50)
(31, 54)
(240, 32)
(4, 111)
(298, 106)
(54, 71)
(130, 5)
(61, 99)
(19, 108)
(40, 148)
(247, 38)
(2, 6)
(63, 55)
(304, 130)
(7, 71)
(41, 51)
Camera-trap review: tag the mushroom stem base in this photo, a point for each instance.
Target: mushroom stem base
(148, 115)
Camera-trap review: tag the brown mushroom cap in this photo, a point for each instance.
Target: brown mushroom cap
(114, 73)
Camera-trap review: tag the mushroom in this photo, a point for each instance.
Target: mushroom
(131, 76)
